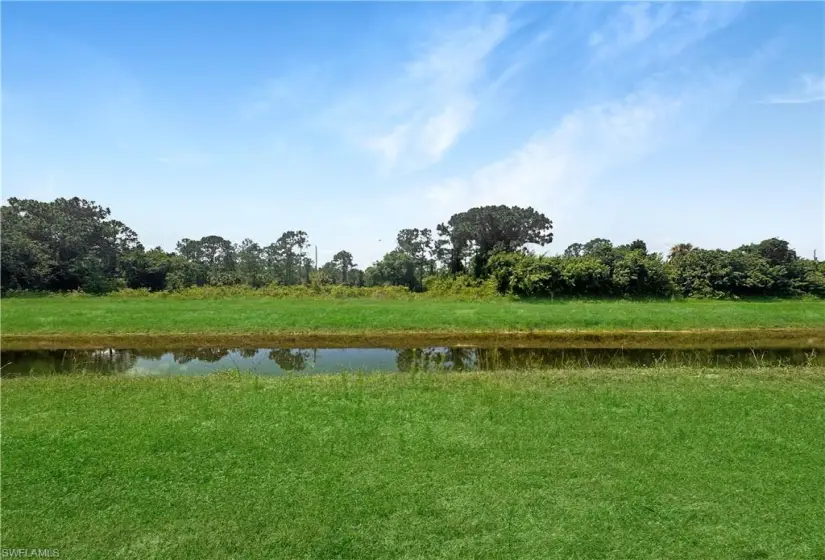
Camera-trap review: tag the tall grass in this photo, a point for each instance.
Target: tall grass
(455, 289)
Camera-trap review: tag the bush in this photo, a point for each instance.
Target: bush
(703, 274)
(586, 276)
(461, 286)
(273, 290)
(615, 272)
(638, 275)
(810, 278)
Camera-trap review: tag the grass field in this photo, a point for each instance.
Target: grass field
(678, 463)
(157, 316)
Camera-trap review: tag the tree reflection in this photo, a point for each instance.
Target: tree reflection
(289, 360)
(461, 358)
(247, 352)
(32, 362)
(210, 355)
(434, 359)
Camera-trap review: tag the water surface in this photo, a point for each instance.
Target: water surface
(279, 361)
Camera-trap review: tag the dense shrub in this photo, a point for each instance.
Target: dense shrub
(586, 276)
(526, 275)
(461, 286)
(810, 279)
(638, 275)
(702, 273)
(630, 273)
(395, 269)
(300, 291)
(742, 273)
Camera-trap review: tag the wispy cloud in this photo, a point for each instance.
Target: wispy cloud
(808, 89)
(410, 115)
(555, 167)
(631, 25)
(658, 31)
(438, 92)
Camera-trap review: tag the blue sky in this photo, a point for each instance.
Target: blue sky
(678, 122)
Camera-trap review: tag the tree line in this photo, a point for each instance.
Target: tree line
(75, 244)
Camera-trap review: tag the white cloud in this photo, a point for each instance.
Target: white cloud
(809, 89)
(424, 140)
(436, 95)
(553, 166)
(632, 24)
(658, 31)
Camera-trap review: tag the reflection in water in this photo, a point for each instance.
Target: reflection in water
(289, 360)
(211, 355)
(436, 359)
(279, 360)
(67, 361)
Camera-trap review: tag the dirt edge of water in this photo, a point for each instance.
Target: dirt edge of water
(642, 339)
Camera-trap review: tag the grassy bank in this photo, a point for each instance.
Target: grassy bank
(677, 463)
(105, 315)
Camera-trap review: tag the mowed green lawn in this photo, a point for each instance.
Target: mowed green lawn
(59, 315)
(655, 464)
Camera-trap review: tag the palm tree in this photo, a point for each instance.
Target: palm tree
(680, 250)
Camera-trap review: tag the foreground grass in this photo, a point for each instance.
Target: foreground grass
(249, 316)
(679, 463)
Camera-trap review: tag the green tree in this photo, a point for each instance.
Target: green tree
(356, 277)
(184, 273)
(418, 244)
(527, 275)
(680, 250)
(599, 248)
(574, 250)
(251, 268)
(214, 256)
(342, 260)
(636, 274)
(67, 244)
(273, 263)
(586, 276)
(147, 269)
(330, 273)
(637, 245)
(811, 279)
(777, 252)
(702, 273)
(479, 232)
(308, 267)
(289, 249)
(396, 268)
